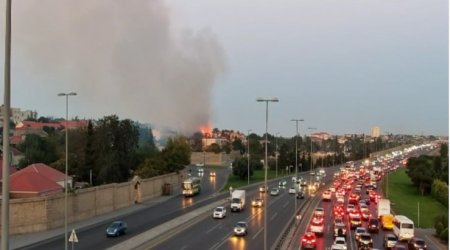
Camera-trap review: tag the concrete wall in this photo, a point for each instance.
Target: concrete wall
(44, 213)
(221, 159)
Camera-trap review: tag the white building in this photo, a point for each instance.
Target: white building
(376, 131)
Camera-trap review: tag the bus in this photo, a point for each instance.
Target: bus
(191, 186)
(403, 227)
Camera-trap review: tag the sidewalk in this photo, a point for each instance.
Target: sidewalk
(22, 240)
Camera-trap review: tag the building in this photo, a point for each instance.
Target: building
(18, 115)
(376, 131)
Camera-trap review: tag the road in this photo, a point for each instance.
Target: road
(149, 216)
(327, 239)
(214, 234)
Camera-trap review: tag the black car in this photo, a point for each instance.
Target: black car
(373, 226)
(300, 195)
(416, 243)
(116, 228)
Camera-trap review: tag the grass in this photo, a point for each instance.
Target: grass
(405, 199)
(258, 176)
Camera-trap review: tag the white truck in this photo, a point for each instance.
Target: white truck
(237, 200)
(384, 207)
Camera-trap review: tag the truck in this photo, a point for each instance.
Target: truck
(237, 200)
(384, 207)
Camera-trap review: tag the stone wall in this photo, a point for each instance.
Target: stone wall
(45, 213)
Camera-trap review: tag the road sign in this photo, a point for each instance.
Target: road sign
(73, 236)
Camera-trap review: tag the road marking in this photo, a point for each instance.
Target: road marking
(184, 247)
(273, 216)
(212, 228)
(285, 204)
(256, 235)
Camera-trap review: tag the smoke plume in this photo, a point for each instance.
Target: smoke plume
(121, 57)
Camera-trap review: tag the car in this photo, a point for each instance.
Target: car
(199, 164)
(340, 241)
(263, 189)
(353, 199)
(337, 247)
(365, 241)
(365, 215)
(300, 195)
(389, 241)
(116, 228)
(373, 225)
(257, 202)
(292, 190)
(282, 183)
(387, 221)
(338, 211)
(363, 208)
(241, 228)
(274, 191)
(350, 208)
(416, 243)
(359, 231)
(340, 199)
(212, 174)
(219, 212)
(355, 222)
(309, 241)
(317, 225)
(326, 195)
(319, 212)
(354, 214)
(340, 230)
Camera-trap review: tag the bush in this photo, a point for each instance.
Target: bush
(439, 227)
(444, 235)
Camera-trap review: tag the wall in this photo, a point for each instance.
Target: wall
(45, 213)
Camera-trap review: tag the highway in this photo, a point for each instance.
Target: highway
(149, 216)
(214, 234)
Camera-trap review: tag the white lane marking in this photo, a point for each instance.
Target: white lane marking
(256, 235)
(273, 216)
(212, 228)
(285, 204)
(184, 247)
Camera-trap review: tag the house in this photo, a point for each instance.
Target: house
(49, 173)
(25, 184)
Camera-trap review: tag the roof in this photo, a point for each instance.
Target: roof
(32, 182)
(32, 124)
(46, 171)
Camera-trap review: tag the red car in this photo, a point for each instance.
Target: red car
(309, 241)
(339, 211)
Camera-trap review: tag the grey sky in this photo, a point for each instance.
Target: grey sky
(343, 66)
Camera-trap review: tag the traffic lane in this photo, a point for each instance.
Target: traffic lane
(219, 232)
(94, 237)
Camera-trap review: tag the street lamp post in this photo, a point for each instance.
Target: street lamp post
(276, 154)
(310, 176)
(296, 156)
(248, 157)
(67, 166)
(265, 165)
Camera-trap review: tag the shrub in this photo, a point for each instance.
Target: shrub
(444, 235)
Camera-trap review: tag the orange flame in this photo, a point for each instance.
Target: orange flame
(206, 129)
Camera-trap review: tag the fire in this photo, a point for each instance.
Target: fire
(206, 129)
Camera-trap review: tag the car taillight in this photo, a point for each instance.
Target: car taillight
(313, 240)
(304, 240)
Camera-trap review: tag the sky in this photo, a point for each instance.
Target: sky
(342, 66)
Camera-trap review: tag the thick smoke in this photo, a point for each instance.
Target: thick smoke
(122, 57)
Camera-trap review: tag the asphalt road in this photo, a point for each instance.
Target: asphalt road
(94, 237)
(217, 233)
(327, 239)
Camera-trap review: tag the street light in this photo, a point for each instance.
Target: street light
(248, 157)
(296, 156)
(67, 164)
(259, 99)
(310, 138)
(276, 154)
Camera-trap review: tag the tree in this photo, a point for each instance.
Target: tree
(240, 168)
(238, 145)
(176, 154)
(37, 150)
(421, 173)
(214, 147)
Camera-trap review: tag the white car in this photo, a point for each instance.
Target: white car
(274, 191)
(319, 212)
(219, 212)
(282, 183)
(340, 241)
(292, 190)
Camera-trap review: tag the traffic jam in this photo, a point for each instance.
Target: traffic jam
(353, 215)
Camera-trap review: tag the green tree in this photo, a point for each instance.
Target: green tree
(238, 145)
(37, 150)
(240, 168)
(214, 147)
(421, 172)
(176, 154)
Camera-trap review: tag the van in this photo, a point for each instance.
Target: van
(403, 227)
(387, 221)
